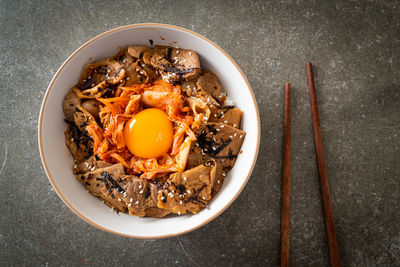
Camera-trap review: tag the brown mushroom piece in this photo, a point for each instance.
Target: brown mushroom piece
(142, 196)
(103, 184)
(189, 87)
(109, 70)
(220, 142)
(90, 164)
(137, 51)
(71, 102)
(209, 82)
(174, 64)
(82, 118)
(79, 144)
(92, 106)
(188, 191)
(228, 115)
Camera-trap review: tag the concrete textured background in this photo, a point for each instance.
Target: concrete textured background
(354, 46)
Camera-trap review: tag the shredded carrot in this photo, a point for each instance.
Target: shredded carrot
(120, 159)
(113, 99)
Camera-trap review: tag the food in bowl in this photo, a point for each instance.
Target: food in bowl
(151, 132)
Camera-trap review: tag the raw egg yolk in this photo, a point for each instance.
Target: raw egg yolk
(149, 134)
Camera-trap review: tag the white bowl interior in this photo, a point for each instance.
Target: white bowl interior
(58, 161)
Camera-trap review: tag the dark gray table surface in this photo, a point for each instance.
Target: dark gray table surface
(355, 48)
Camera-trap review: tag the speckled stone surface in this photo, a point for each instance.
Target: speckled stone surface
(354, 47)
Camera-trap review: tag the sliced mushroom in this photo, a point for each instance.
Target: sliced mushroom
(209, 82)
(174, 64)
(137, 51)
(228, 115)
(200, 109)
(71, 102)
(103, 183)
(92, 106)
(188, 191)
(78, 143)
(108, 70)
(82, 118)
(220, 142)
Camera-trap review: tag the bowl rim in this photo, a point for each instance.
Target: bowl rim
(50, 87)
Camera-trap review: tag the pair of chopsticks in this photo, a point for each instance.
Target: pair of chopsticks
(323, 176)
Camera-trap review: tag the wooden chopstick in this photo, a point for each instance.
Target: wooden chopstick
(323, 175)
(286, 182)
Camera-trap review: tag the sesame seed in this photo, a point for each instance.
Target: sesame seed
(235, 125)
(218, 181)
(141, 72)
(231, 137)
(131, 200)
(89, 77)
(190, 53)
(127, 79)
(141, 192)
(217, 130)
(184, 178)
(222, 126)
(177, 51)
(203, 197)
(162, 198)
(179, 213)
(72, 139)
(140, 186)
(224, 174)
(137, 202)
(215, 115)
(93, 168)
(197, 144)
(188, 191)
(213, 148)
(234, 134)
(180, 202)
(119, 199)
(225, 121)
(205, 149)
(129, 205)
(240, 136)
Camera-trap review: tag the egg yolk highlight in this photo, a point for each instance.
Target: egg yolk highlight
(149, 134)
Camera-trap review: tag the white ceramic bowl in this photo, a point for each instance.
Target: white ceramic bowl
(57, 160)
